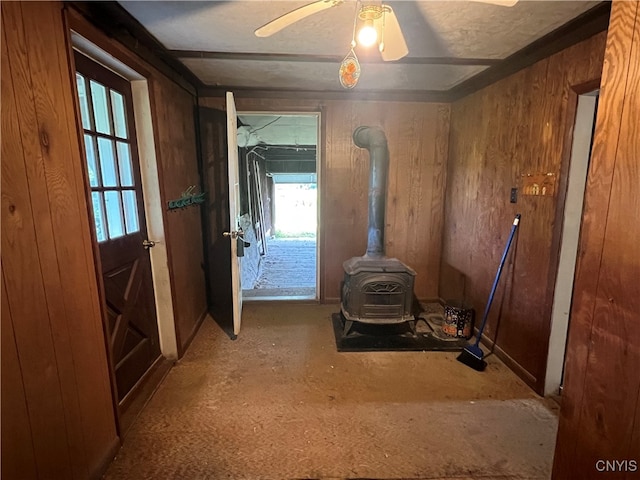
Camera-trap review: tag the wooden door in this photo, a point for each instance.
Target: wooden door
(118, 211)
(235, 233)
(217, 217)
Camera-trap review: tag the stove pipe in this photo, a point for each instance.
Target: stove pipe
(374, 140)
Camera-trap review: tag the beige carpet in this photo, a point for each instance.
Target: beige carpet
(280, 403)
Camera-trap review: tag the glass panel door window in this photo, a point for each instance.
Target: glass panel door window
(108, 155)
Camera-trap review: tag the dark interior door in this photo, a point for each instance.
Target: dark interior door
(215, 214)
(118, 211)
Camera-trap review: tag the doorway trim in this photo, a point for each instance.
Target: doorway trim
(319, 167)
(571, 221)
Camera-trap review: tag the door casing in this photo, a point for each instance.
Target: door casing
(319, 163)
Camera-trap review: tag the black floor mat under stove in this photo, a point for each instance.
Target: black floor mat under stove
(398, 337)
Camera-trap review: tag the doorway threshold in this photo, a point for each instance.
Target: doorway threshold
(280, 298)
(290, 293)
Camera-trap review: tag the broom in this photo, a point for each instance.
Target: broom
(472, 355)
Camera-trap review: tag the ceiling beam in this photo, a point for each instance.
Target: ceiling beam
(584, 26)
(430, 96)
(289, 166)
(295, 57)
(289, 153)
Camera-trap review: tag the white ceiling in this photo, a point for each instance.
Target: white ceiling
(216, 41)
(324, 76)
(451, 29)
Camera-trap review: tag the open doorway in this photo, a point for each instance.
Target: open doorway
(561, 312)
(279, 191)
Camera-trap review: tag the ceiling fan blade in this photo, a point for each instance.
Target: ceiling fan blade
(393, 45)
(502, 3)
(293, 16)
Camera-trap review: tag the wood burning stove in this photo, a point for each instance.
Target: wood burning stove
(376, 289)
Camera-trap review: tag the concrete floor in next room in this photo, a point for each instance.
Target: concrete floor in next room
(281, 403)
(288, 269)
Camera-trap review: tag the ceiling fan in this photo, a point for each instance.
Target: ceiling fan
(380, 24)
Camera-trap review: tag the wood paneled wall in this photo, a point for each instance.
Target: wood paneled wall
(173, 117)
(600, 413)
(519, 125)
(417, 137)
(57, 412)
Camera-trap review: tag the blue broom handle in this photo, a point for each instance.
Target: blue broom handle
(497, 279)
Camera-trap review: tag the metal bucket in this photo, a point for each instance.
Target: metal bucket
(458, 319)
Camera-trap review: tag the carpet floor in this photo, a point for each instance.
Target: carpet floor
(281, 403)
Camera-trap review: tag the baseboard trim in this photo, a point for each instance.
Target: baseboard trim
(432, 300)
(141, 393)
(98, 472)
(183, 348)
(510, 362)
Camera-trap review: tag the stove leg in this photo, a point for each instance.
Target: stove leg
(347, 327)
(412, 326)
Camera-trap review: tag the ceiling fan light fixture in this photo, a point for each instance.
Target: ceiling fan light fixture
(367, 35)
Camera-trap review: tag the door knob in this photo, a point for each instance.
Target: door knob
(234, 233)
(147, 244)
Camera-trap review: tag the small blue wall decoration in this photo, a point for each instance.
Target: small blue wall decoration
(187, 198)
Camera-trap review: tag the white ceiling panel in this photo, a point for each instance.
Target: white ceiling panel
(478, 30)
(449, 29)
(324, 76)
(433, 28)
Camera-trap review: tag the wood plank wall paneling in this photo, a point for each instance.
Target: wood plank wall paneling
(175, 142)
(25, 293)
(47, 256)
(174, 123)
(18, 456)
(417, 136)
(601, 398)
(515, 126)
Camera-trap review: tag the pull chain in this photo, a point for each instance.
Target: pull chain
(355, 23)
(384, 18)
(349, 72)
